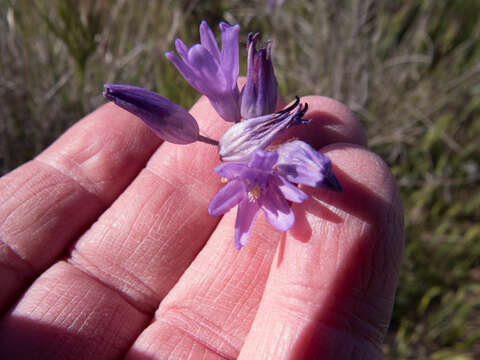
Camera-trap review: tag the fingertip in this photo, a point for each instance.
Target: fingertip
(331, 122)
(355, 163)
(368, 212)
(344, 123)
(331, 291)
(369, 195)
(370, 192)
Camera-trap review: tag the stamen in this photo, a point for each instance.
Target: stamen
(254, 194)
(291, 107)
(223, 180)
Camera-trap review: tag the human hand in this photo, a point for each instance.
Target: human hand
(125, 259)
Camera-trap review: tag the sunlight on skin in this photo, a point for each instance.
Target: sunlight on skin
(102, 298)
(330, 292)
(40, 216)
(216, 299)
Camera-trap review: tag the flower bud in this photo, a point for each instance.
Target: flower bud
(259, 95)
(168, 120)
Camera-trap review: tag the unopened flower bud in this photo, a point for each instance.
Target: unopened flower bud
(259, 95)
(168, 120)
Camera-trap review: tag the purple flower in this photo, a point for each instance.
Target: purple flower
(259, 95)
(252, 187)
(168, 120)
(210, 71)
(299, 163)
(242, 139)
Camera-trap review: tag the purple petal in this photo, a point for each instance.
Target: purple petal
(248, 94)
(331, 183)
(242, 139)
(267, 82)
(230, 170)
(182, 67)
(182, 49)
(169, 121)
(229, 54)
(263, 160)
(226, 105)
(246, 215)
(210, 72)
(208, 41)
(206, 79)
(276, 209)
(290, 191)
(259, 95)
(227, 197)
(201, 60)
(302, 164)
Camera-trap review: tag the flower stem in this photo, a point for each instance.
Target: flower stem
(207, 140)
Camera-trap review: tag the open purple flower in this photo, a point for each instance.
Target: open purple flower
(256, 179)
(259, 95)
(254, 186)
(168, 120)
(242, 139)
(210, 71)
(299, 163)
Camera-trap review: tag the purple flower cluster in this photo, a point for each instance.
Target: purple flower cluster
(257, 177)
(210, 71)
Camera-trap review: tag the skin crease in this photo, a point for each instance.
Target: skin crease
(141, 270)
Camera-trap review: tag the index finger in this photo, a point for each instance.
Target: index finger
(48, 202)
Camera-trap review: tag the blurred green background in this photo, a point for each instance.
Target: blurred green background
(409, 69)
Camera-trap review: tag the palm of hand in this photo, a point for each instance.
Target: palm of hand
(124, 258)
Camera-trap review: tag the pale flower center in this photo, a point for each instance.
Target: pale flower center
(254, 194)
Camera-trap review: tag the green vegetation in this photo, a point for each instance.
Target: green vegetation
(409, 69)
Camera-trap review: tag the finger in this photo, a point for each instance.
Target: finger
(149, 236)
(66, 315)
(331, 287)
(152, 233)
(137, 249)
(332, 122)
(212, 307)
(49, 201)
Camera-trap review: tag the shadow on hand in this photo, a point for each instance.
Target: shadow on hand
(325, 128)
(356, 312)
(25, 338)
